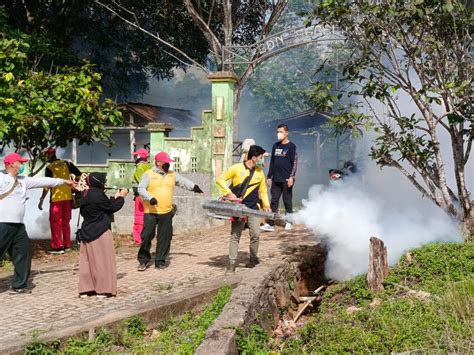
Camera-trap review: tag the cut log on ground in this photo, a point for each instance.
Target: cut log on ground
(378, 265)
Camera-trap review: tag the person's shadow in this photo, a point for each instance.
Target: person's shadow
(220, 261)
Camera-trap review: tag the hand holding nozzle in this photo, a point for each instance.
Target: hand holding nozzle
(231, 197)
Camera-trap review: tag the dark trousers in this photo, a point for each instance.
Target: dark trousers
(162, 224)
(14, 239)
(278, 189)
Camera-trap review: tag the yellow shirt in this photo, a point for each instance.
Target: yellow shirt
(59, 169)
(256, 190)
(160, 187)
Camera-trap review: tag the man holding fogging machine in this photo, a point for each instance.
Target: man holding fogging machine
(248, 187)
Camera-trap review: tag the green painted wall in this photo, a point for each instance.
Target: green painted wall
(208, 150)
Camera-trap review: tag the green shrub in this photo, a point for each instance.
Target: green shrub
(441, 322)
(183, 336)
(254, 342)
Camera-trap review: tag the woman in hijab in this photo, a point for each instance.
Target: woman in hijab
(97, 268)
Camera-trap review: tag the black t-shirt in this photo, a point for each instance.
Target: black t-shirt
(283, 162)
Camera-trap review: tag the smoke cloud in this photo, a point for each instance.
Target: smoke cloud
(344, 215)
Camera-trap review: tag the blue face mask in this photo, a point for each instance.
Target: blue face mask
(21, 169)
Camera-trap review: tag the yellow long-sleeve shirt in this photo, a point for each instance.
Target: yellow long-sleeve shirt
(257, 188)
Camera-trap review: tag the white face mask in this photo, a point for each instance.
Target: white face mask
(280, 136)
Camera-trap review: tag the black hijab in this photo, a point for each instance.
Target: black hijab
(97, 208)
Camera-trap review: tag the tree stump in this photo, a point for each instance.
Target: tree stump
(378, 265)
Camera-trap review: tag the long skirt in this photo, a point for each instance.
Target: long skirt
(97, 268)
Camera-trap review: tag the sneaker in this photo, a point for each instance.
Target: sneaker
(104, 295)
(67, 250)
(87, 294)
(56, 251)
(267, 228)
(17, 291)
(288, 226)
(230, 268)
(142, 267)
(161, 266)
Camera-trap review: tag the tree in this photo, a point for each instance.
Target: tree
(38, 109)
(222, 23)
(415, 49)
(79, 32)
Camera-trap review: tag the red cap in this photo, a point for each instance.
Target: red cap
(163, 156)
(142, 153)
(13, 157)
(50, 151)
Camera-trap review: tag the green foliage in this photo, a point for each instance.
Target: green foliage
(415, 51)
(38, 347)
(67, 33)
(402, 322)
(434, 265)
(82, 346)
(5, 264)
(133, 331)
(38, 109)
(183, 336)
(253, 342)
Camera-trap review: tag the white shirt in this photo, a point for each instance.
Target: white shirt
(12, 207)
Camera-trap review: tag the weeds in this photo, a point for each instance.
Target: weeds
(6, 266)
(174, 336)
(442, 322)
(184, 335)
(254, 342)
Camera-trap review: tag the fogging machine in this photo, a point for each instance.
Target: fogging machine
(225, 209)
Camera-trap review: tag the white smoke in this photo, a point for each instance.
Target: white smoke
(346, 214)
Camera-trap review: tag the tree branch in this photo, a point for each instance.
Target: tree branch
(276, 14)
(206, 30)
(157, 37)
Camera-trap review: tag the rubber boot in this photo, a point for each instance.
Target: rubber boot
(230, 268)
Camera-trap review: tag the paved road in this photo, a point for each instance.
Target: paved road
(194, 258)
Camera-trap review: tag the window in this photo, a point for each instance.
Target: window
(121, 171)
(194, 164)
(177, 164)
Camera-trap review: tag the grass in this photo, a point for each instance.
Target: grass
(440, 322)
(184, 335)
(6, 266)
(180, 335)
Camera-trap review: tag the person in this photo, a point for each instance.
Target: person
(156, 188)
(60, 206)
(247, 187)
(281, 175)
(141, 166)
(13, 235)
(97, 267)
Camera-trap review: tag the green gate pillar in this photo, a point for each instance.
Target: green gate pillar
(158, 132)
(222, 124)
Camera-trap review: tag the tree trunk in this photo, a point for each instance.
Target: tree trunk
(378, 265)
(468, 226)
(237, 92)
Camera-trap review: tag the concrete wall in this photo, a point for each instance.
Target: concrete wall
(190, 216)
(257, 299)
